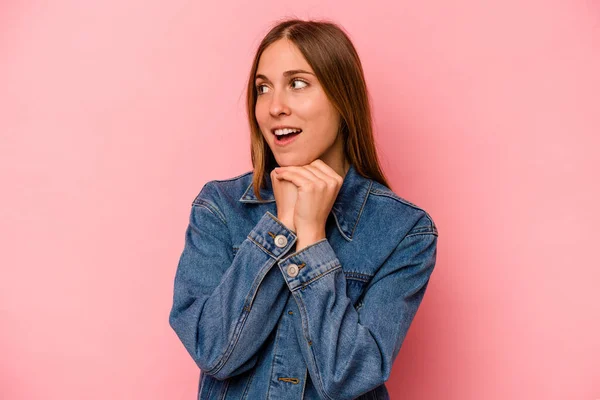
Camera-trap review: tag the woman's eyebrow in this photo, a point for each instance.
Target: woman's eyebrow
(286, 74)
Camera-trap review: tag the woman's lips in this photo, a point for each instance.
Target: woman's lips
(286, 139)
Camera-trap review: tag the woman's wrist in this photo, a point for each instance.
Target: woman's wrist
(288, 222)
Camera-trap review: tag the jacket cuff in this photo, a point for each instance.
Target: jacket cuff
(310, 263)
(272, 236)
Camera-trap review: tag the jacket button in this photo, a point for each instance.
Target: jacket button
(280, 241)
(292, 270)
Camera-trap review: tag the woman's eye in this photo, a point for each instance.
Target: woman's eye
(293, 81)
(258, 87)
(301, 81)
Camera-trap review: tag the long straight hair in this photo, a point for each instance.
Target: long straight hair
(333, 58)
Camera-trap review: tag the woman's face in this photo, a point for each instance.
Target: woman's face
(288, 97)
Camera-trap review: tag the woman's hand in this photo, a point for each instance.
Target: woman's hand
(285, 198)
(317, 186)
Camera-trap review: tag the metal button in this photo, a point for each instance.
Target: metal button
(292, 270)
(280, 241)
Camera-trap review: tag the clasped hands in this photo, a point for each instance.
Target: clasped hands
(304, 196)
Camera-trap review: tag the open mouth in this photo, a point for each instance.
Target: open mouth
(283, 136)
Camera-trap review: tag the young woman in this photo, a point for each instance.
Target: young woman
(299, 279)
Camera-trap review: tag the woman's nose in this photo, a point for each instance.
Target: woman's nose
(279, 104)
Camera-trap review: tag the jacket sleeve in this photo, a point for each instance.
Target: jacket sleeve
(349, 352)
(225, 307)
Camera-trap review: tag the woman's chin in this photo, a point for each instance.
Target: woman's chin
(288, 163)
(292, 161)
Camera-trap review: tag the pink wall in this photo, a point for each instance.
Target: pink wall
(113, 114)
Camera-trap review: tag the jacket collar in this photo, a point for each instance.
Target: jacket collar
(346, 209)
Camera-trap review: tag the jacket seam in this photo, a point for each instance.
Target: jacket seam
(262, 247)
(230, 346)
(336, 266)
(422, 228)
(202, 383)
(241, 322)
(298, 252)
(362, 207)
(274, 218)
(394, 196)
(264, 270)
(358, 276)
(211, 207)
(210, 387)
(304, 385)
(224, 389)
(248, 383)
(421, 233)
(273, 359)
(310, 349)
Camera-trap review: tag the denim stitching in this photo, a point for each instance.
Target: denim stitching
(358, 276)
(212, 208)
(362, 207)
(402, 200)
(241, 321)
(262, 247)
(229, 349)
(248, 382)
(273, 359)
(301, 305)
(210, 387)
(224, 388)
(304, 385)
(421, 233)
(243, 198)
(264, 270)
(301, 250)
(431, 228)
(302, 286)
(274, 218)
(342, 232)
(394, 196)
(202, 383)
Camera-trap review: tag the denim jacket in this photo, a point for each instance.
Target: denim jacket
(263, 320)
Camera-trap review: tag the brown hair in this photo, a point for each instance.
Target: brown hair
(333, 58)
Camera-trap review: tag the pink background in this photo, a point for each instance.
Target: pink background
(114, 114)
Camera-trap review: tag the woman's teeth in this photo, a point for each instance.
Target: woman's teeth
(285, 131)
(285, 136)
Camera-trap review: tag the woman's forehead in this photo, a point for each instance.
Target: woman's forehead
(280, 57)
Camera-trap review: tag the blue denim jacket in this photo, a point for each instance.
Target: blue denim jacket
(264, 321)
